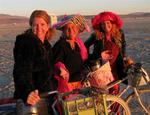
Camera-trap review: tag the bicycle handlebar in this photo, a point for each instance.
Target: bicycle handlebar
(46, 94)
(75, 91)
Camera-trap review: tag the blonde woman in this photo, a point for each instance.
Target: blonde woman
(33, 59)
(109, 43)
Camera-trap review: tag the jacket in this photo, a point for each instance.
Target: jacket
(71, 58)
(33, 66)
(98, 47)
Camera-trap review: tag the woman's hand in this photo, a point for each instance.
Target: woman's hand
(106, 55)
(64, 73)
(33, 97)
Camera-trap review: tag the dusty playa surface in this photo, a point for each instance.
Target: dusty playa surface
(137, 32)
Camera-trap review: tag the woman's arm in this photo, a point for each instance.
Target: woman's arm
(123, 44)
(22, 73)
(89, 42)
(58, 52)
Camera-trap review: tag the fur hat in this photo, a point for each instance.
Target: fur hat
(104, 16)
(78, 20)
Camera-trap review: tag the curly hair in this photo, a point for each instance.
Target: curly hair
(115, 32)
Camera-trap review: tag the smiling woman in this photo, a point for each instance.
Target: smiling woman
(33, 65)
(39, 28)
(70, 52)
(109, 44)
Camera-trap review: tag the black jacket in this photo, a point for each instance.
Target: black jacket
(71, 58)
(98, 47)
(33, 65)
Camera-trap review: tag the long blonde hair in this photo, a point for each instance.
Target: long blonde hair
(44, 15)
(115, 32)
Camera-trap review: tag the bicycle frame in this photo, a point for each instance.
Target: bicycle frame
(130, 86)
(94, 104)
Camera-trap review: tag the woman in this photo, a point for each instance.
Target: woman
(33, 59)
(70, 53)
(109, 43)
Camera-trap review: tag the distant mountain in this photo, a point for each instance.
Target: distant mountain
(137, 14)
(131, 15)
(9, 19)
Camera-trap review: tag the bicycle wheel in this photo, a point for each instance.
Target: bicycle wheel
(114, 106)
(134, 104)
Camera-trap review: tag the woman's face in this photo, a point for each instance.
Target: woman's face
(106, 26)
(40, 27)
(71, 31)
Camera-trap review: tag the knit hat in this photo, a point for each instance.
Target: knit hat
(78, 20)
(104, 16)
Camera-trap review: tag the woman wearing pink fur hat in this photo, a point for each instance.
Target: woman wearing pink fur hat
(108, 43)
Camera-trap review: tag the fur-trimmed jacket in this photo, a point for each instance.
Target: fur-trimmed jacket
(33, 65)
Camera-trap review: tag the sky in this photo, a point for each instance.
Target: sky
(84, 7)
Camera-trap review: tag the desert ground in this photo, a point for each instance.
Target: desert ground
(137, 34)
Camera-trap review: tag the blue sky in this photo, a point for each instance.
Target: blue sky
(86, 7)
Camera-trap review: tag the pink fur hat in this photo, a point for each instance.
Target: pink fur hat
(104, 16)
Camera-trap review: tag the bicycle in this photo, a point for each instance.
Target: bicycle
(134, 75)
(90, 102)
(102, 103)
(139, 94)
